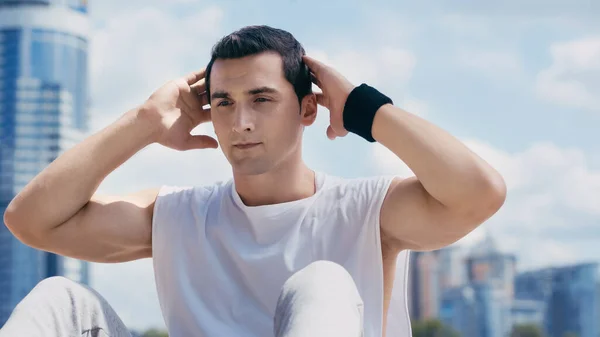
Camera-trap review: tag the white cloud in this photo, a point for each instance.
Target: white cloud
(166, 47)
(497, 63)
(528, 10)
(551, 191)
(546, 171)
(388, 163)
(385, 67)
(130, 289)
(102, 10)
(389, 69)
(475, 26)
(573, 78)
(415, 106)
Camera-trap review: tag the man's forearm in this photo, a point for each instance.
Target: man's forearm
(67, 184)
(449, 171)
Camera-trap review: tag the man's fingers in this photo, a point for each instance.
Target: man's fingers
(195, 76)
(315, 80)
(204, 115)
(203, 97)
(314, 65)
(330, 133)
(201, 142)
(321, 100)
(199, 87)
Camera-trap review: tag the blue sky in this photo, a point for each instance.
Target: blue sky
(518, 81)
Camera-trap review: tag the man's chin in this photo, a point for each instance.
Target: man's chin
(250, 169)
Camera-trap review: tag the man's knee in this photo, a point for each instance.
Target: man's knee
(55, 283)
(318, 293)
(51, 291)
(323, 279)
(322, 271)
(56, 289)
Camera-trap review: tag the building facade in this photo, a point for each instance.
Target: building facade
(43, 112)
(570, 297)
(458, 309)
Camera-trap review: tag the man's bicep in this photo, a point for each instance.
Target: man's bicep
(412, 219)
(108, 229)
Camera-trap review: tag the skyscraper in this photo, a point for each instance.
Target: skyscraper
(482, 306)
(433, 273)
(458, 309)
(570, 297)
(43, 112)
(424, 286)
(486, 263)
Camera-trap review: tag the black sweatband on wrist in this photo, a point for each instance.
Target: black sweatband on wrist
(360, 108)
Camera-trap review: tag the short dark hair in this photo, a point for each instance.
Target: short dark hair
(253, 40)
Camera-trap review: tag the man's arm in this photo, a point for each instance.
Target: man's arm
(453, 190)
(59, 210)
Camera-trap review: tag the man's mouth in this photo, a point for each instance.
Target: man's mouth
(244, 146)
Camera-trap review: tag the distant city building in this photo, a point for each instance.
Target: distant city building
(451, 264)
(570, 295)
(493, 309)
(528, 312)
(458, 309)
(482, 306)
(424, 285)
(431, 274)
(43, 112)
(486, 263)
(477, 310)
(487, 299)
(414, 288)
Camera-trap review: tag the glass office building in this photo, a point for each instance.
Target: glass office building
(570, 297)
(43, 112)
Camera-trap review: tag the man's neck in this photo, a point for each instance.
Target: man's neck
(283, 184)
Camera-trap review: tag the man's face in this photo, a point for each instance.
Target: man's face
(255, 112)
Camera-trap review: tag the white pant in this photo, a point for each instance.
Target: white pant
(319, 300)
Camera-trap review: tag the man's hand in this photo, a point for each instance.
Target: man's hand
(453, 191)
(59, 210)
(176, 109)
(335, 90)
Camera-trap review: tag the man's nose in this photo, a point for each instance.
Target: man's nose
(244, 120)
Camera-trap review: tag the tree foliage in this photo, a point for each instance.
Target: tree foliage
(155, 333)
(526, 330)
(432, 328)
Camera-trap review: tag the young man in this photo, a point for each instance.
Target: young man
(278, 250)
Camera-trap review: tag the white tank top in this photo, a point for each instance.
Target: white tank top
(220, 265)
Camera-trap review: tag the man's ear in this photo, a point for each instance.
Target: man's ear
(308, 109)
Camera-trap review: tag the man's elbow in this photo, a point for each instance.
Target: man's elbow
(488, 201)
(10, 217)
(496, 193)
(16, 223)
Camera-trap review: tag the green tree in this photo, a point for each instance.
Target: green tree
(155, 333)
(432, 328)
(526, 330)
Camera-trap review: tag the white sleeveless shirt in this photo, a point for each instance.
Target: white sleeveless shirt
(220, 265)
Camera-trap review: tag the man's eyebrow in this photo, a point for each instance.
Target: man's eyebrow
(219, 94)
(255, 91)
(262, 90)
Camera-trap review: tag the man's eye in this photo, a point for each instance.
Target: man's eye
(223, 103)
(261, 99)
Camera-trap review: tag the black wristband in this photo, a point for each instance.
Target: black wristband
(360, 108)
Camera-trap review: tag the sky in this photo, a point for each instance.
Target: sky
(517, 81)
